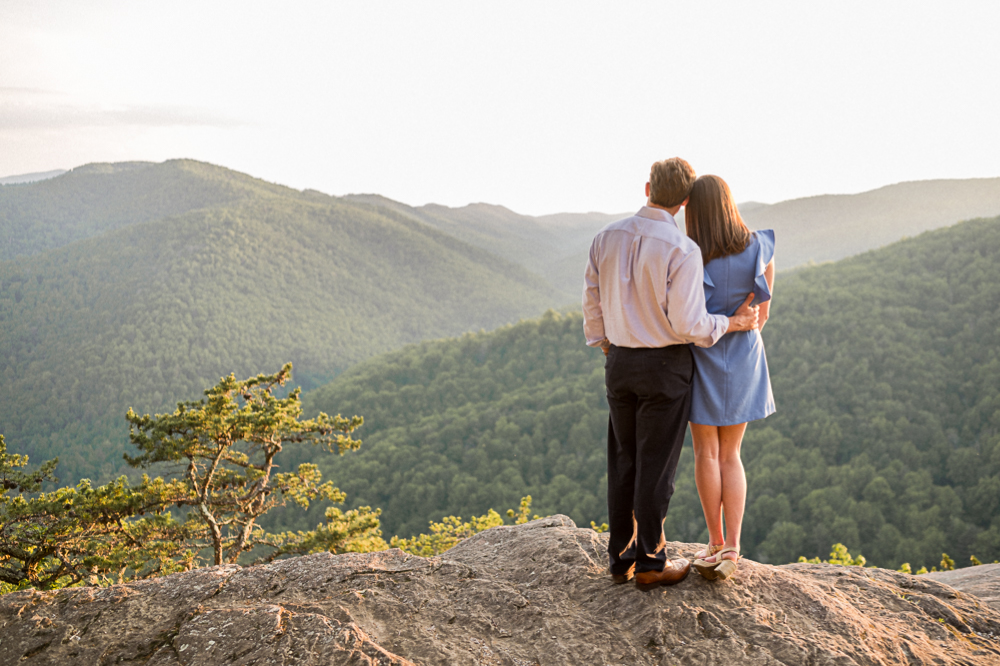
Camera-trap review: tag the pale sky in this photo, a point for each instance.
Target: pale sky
(539, 106)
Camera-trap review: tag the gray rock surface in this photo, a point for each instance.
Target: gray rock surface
(982, 581)
(517, 596)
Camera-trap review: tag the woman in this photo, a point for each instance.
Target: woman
(731, 384)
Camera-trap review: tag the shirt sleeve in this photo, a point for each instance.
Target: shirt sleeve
(593, 317)
(686, 304)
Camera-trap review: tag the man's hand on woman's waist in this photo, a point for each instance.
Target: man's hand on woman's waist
(746, 317)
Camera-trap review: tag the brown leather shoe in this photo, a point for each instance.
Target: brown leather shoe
(674, 571)
(625, 577)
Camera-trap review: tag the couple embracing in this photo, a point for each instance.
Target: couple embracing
(678, 316)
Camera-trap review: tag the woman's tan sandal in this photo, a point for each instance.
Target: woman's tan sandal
(726, 568)
(704, 567)
(719, 568)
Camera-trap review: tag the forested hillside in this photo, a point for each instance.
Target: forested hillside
(834, 226)
(138, 284)
(96, 198)
(143, 314)
(550, 245)
(813, 229)
(460, 426)
(887, 435)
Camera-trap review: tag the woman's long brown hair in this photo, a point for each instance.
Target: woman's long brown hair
(712, 220)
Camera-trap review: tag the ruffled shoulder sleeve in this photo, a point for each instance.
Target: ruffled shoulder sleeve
(765, 252)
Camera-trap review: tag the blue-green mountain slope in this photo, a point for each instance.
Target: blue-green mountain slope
(813, 229)
(96, 198)
(240, 277)
(887, 437)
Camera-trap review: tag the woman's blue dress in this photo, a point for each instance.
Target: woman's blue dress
(731, 384)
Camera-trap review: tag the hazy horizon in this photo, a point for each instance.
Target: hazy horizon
(15, 179)
(540, 107)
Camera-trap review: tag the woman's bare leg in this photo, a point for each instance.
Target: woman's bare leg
(734, 483)
(708, 478)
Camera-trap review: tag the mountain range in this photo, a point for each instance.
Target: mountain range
(809, 230)
(835, 226)
(139, 284)
(552, 246)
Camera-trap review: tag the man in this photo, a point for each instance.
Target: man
(643, 302)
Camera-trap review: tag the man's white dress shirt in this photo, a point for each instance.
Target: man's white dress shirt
(644, 286)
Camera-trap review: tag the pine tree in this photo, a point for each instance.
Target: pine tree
(225, 448)
(222, 456)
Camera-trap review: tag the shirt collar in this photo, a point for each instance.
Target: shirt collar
(659, 214)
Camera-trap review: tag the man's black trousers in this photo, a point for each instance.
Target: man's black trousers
(649, 393)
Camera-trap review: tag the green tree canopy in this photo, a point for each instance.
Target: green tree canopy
(78, 534)
(224, 449)
(222, 457)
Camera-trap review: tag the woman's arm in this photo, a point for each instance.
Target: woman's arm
(765, 307)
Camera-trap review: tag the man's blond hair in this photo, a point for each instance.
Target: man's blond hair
(670, 182)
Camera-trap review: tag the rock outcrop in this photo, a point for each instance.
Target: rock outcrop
(982, 581)
(532, 594)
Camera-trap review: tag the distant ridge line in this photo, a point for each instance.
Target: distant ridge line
(20, 179)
